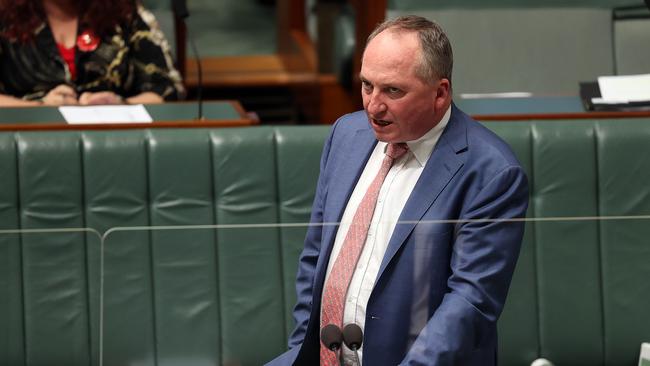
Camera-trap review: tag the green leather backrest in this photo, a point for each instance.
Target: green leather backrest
(224, 296)
(202, 296)
(580, 292)
(625, 250)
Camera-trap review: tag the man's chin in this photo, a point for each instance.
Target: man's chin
(384, 136)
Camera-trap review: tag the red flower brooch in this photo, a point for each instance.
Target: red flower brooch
(87, 41)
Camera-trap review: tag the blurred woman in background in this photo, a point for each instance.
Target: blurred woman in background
(82, 52)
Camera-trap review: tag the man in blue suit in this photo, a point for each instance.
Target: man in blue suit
(439, 249)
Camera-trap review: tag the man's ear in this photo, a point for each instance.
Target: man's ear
(443, 93)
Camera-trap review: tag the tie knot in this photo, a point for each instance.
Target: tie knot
(397, 150)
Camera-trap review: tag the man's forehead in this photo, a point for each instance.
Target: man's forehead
(393, 45)
(389, 56)
(393, 35)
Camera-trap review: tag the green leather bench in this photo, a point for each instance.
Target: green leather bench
(191, 293)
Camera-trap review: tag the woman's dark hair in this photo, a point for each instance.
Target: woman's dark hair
(20, 18)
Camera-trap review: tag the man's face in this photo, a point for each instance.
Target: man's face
(400, 106)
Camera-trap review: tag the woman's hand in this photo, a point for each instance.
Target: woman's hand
(61, 95)
(104, 97)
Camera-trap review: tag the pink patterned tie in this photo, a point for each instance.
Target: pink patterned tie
(338, 281)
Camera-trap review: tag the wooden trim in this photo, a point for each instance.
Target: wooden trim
(239, 108)
(334, 100)
(290, 16)
(368, 14)
(305, 51)
(243, 71)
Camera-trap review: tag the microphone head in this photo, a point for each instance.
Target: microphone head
(331, 337)
(352, 336)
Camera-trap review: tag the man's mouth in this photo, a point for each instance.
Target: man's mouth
(381, 122)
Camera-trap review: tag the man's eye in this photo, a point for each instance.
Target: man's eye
(394, 91)
(366, 85)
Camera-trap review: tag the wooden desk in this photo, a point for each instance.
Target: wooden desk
(510, 109)
(225, 113)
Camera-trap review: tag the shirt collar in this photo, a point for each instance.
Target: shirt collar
(422, 147)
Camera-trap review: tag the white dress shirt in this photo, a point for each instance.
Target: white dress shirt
(394, 193)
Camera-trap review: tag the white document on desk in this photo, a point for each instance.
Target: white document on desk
(625, 88)
(105, 114)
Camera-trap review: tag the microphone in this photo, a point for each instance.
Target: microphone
(332, 338)
(179, 7)
(353, 338)
(647, 3)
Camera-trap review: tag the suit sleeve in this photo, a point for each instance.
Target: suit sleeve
(309, 256)
(485, 250)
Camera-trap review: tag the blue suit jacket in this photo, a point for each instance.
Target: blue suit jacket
(441, 285)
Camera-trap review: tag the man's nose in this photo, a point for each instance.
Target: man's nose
(375, 104)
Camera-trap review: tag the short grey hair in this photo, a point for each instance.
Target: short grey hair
(435, 47)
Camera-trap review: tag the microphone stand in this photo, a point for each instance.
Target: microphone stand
(199, 88)
(332, 339)
(353, 338)
(179, 7)
(356, 355)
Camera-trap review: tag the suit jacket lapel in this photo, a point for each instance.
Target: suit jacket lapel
(441, 167)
